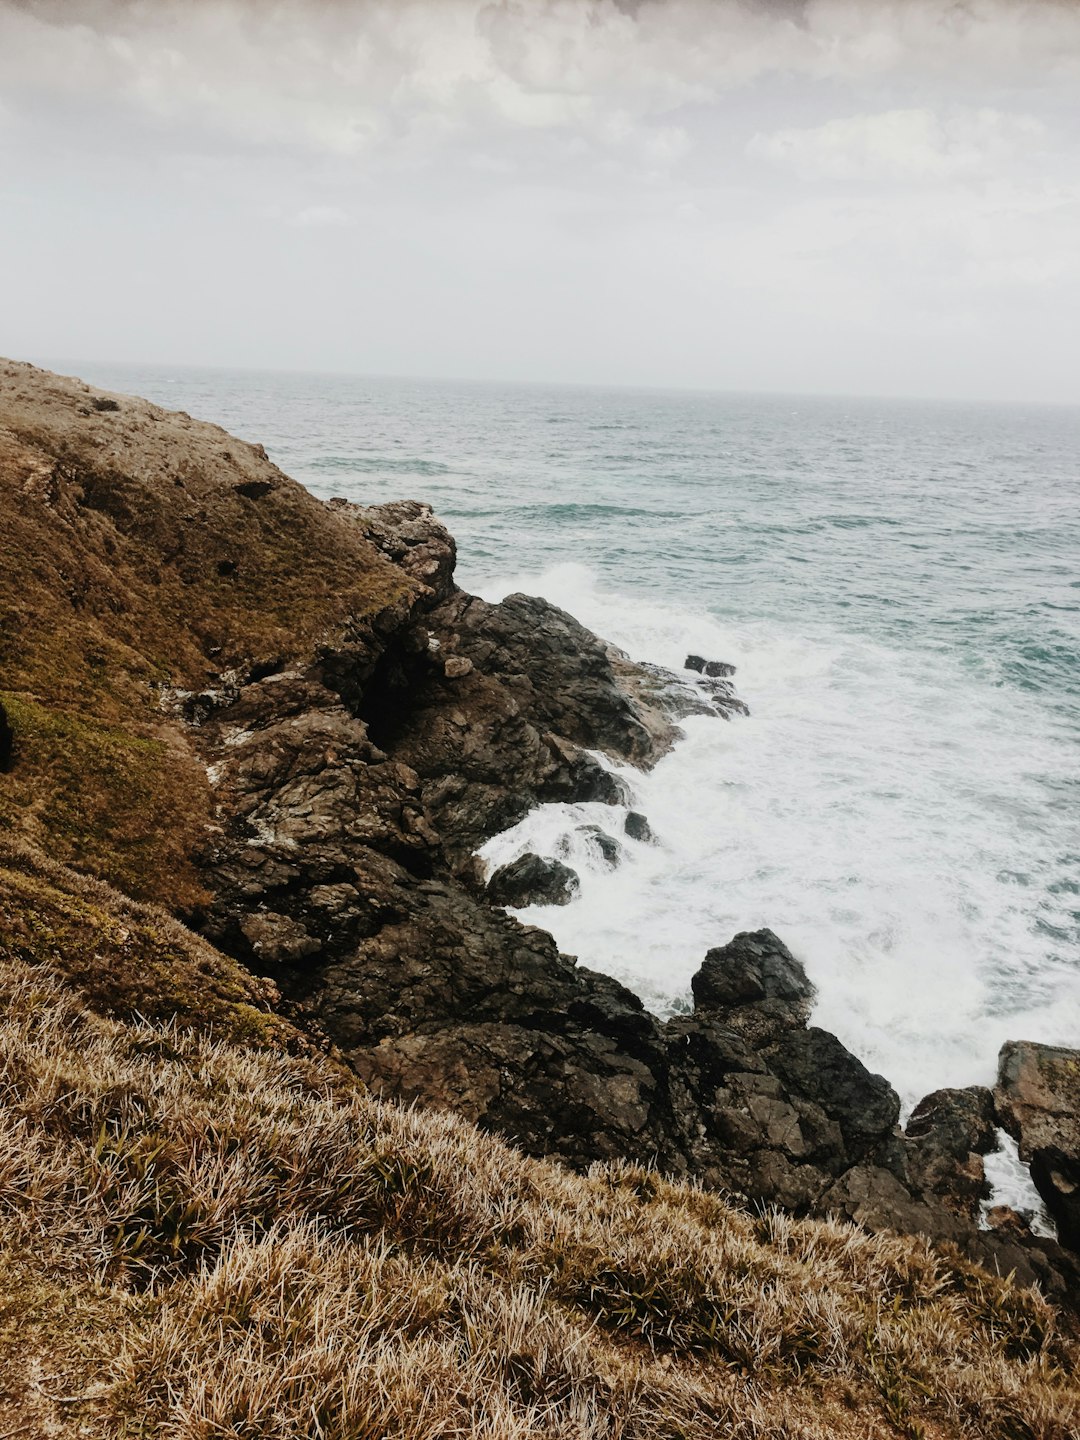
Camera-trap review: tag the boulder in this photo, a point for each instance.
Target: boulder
(756, 983)
(947, 1135)
(1038, 1101)
(718, 669)
(533, 880)
(815, 1066)
(604, 846)
(638, 828)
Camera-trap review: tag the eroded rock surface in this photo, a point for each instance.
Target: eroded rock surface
(533, 880)
(1038, 1101)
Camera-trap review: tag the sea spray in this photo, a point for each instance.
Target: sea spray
(883, 816)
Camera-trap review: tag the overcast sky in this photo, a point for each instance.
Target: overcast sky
(805, 195)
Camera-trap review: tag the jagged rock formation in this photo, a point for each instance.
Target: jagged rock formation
(1038, 1100)
(283, 720)
(532, 880)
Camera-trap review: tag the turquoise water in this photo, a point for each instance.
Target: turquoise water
(899, 585)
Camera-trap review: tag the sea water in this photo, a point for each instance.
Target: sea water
(898, 585)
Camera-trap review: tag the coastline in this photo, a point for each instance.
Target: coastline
(359, 752)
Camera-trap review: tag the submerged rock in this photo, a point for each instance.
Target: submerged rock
(602, 845)
(718, 669)
(532, 880)
(637, 827)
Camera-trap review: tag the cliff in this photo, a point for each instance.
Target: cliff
(250, 743)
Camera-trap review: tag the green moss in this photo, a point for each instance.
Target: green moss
(130, 961)
(125, 806)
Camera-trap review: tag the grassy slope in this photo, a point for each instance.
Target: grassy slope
(140, 549)
(204, 1235)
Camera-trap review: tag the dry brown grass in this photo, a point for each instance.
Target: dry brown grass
(141, 549)
(211, 1241)
(128, 959)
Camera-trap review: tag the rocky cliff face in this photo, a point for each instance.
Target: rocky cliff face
(283, 720)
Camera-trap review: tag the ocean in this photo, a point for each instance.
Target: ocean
(898, 585)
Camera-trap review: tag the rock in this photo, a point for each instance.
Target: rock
(6, 740)
(638, 828)
(604, 846)
(948, 1133)
(1038, 1102)
(719, 669)
(278, 938)
(531, 880)
(873, 1197)
(815, 1065)
(455, 666)
(757, 983)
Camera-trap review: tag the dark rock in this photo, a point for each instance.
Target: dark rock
(638, 828)
(815, 1065)
(278, 939)
(6, 740)
(604, 846)
(254, 489)
(532, 880)
(1056, 1173)
(757, 983)
(1038, 1102)
(873, 1197)
(718, 669)
(948, 1134)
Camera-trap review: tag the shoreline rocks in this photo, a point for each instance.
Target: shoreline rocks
(532, 880)
(1038, 1103)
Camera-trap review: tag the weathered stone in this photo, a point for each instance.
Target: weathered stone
(533, 880)
(638, 828)
(278, 939)
(1038, 1102)
(947, 1135)
(814, 1064)
(757, 983)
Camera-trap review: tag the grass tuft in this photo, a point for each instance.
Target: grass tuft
(249, 1248)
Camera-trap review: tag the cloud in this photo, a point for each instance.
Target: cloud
(346, 77)
(905, 145)
(319, 217)
(650, 190)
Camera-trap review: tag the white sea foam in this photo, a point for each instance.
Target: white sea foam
(1011, 1185)
(881, 813)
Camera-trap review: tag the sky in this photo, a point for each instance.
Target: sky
(838, 196)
